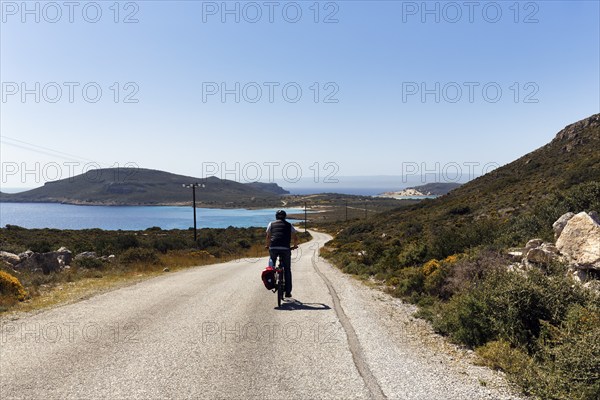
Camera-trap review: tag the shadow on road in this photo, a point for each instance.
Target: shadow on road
(293, 304)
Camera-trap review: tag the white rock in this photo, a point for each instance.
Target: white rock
(10, 258)
(579, 241)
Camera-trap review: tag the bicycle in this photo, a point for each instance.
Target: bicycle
(280, 281)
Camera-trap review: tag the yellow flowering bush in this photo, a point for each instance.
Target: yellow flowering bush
(11, 286)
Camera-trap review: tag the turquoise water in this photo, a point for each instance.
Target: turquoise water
(65, 216)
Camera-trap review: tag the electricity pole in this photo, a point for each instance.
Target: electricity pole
(194, 186)
(346, 209)
(304, 217)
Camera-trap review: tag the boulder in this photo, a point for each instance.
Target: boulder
(560, 223)
(46, 262)
(10, 258)
(579, 241)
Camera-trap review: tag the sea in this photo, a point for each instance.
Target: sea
(66, 216)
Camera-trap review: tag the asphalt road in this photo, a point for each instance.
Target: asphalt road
(215, 332)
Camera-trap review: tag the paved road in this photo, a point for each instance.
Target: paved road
(215, 332)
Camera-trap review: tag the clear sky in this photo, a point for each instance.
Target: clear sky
(345, 88)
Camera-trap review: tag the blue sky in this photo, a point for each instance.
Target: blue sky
(370, 61)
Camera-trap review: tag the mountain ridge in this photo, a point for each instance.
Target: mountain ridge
(141, 186)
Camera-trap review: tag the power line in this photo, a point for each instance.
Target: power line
(45, 150)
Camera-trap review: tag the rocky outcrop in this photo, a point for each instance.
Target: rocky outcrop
(53, 261)
(577, 246)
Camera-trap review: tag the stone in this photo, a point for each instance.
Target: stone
(533, 243)
(86, 254)
(10, 258)
(111, 258)
(540, 256)
(579, 241)
(593, 285)
(560, 223)
(26, 254)
(549, 247)
(166, 270)
(63, 250)
(516, 255)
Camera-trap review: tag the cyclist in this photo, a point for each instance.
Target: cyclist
(280, 234)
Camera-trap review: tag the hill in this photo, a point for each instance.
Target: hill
(506, 206)
(138, 186)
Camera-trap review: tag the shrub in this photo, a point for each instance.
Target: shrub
(412, 254)
(40, 246)
(570, 357)
(124, 242)
(11, 286)
(89, 263)
(410, 282)
(464, 319)
(501, 356)
(165, 244)
(140, 255)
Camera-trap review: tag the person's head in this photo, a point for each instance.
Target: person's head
(280, 214)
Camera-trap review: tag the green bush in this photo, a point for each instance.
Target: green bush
(89, 263)
(40, 246)
(569, 359)
(140, 255)
(464, 319)
(412, 254)
(410, 281)
(124, 242)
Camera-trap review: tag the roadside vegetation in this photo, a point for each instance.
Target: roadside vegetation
(537, 326)
(137, 255)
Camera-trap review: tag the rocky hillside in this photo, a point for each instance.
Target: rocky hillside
(137, 186)
(506, 206)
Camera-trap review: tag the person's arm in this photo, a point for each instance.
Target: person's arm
(268, 237)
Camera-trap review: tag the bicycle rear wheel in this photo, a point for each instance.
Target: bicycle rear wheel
(280, 288)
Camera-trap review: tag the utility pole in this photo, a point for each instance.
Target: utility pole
(365, 209)
(194, 186)
(346, 209)
(304, 217)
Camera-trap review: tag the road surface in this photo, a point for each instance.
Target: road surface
(214, 332)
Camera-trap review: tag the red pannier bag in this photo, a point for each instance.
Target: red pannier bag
(268, 277)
